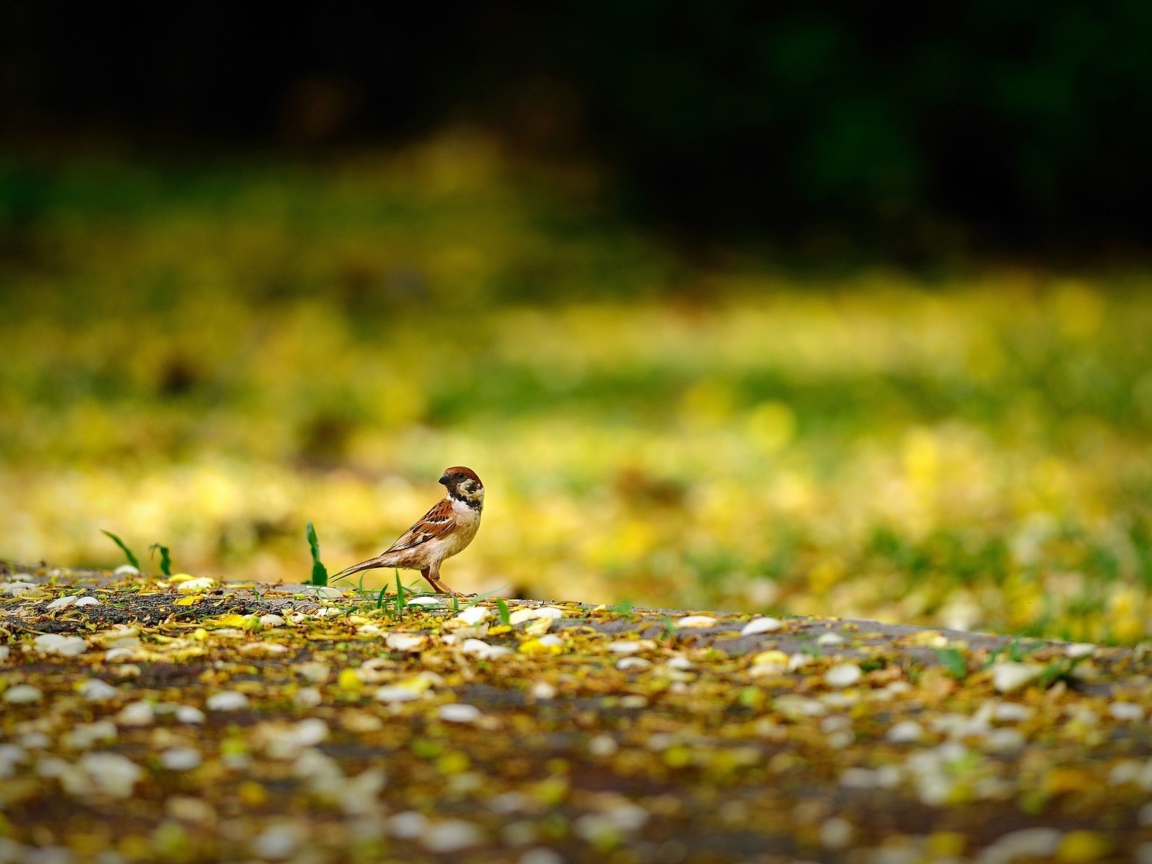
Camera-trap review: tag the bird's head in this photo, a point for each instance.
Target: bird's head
(463, 485)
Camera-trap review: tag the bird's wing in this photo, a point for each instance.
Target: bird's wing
(435, 523)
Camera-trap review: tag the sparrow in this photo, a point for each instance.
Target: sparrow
(442, 532)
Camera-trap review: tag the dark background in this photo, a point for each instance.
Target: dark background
(911, 128)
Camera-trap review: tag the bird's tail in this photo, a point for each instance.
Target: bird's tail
(370, 564)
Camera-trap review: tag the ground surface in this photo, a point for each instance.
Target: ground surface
(181, 720)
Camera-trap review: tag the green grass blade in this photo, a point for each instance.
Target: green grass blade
(319, 571)
(505, 615)
(479, 598)
(123, 548)
(165, 558)
(953, 660)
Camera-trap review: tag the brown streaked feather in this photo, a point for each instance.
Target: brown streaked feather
(435, 523)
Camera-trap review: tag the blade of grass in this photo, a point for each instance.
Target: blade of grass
(505, 615)
(479, 598)
(123, 548)
(319, 571)
(953, 660)
(165, 558)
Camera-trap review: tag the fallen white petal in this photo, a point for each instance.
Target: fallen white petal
(451, 836)
(905, 732)
(136, 714)
(626, 663)
(65, 646)
(843, 675)
(473, 616)
(180, 759)
(229, 700)
(404, 642)
(196, 586)
(276, 842)
(696, 621)
(189, 714)
(396, 694)
(459, 713)
(22, 694)
(1126, 711)
(1007, 677)
(95, 690)
(114, 774)
(761, 625)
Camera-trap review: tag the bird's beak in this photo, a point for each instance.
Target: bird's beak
(445, 480)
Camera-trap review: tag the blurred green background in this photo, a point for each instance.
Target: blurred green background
(771, 310)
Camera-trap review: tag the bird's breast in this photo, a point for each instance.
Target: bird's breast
(467, 524)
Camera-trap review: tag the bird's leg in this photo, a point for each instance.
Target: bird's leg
(433, 576)
(426, 572)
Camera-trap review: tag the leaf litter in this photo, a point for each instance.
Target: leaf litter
(283, 723)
